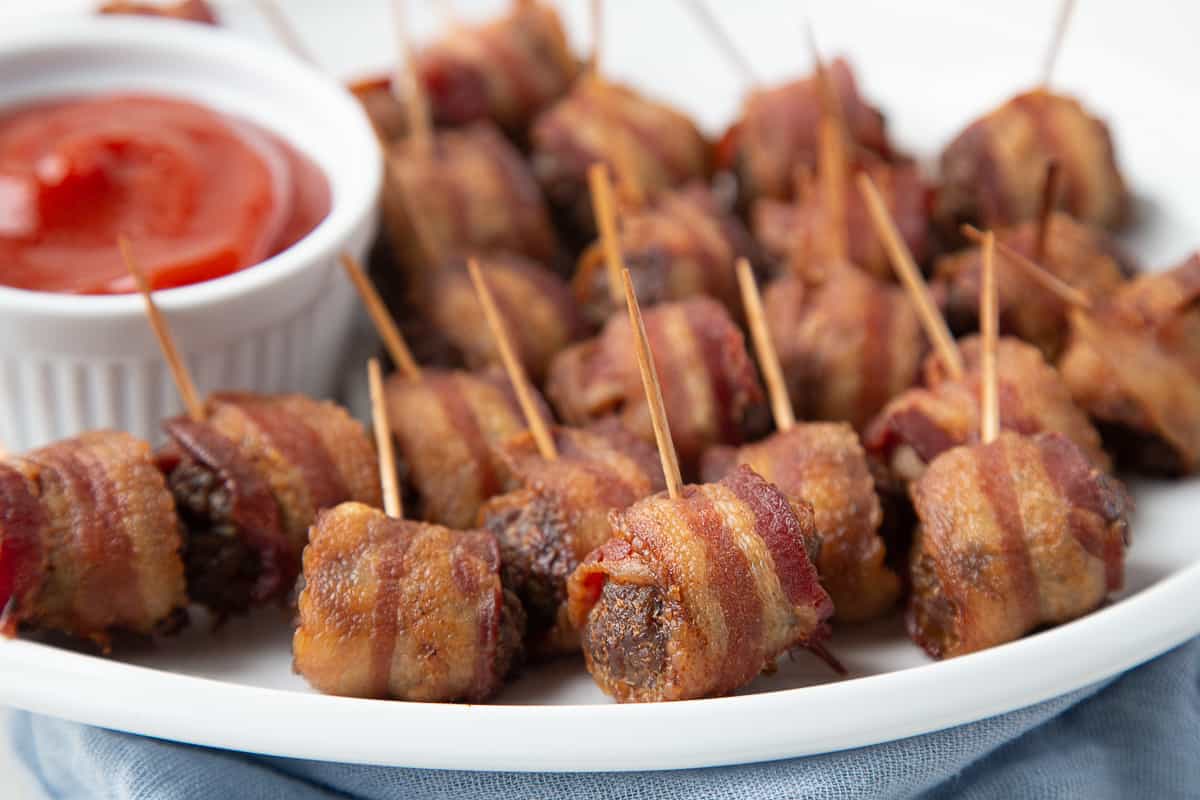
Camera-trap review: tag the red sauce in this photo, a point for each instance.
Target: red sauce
(198, 193)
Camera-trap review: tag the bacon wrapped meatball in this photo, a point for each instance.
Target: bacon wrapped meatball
(846, 344)
(923, 422)
(446, 424)
(248, 482)
(684, 244)
(992, 173)
(710, 388)
(89, 541)
(1081, 256)
(823, 464)
(777, 133)
(470, 193)
(645, 142)
(557, 511)
(186, 10)
(404, 610)
(536, 304)
(1133, 363)
(1013, 535)
(695, 596)
(794, 233)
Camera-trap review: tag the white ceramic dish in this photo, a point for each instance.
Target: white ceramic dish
(69, 363)
(235, 689)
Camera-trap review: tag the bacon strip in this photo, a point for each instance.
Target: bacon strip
(1013, 535)
(709, 384)
(993, 172)
(405, 610)
(846, 344)
(823, 465)
(1134, 365)
(777, 132)
(89, 540)
(695, 596)
(187, 10)
(925, 421)
(556, 512)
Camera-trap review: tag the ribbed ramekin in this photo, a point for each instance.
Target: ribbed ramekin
(70, 363)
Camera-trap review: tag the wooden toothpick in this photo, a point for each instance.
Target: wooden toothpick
(1060, 33)
(393, 340)
(597, 19)
(768, 359)
(906, 269)
(1047, 279)
(512, 365)
(407, 82)
(654, 398)
(392, 504)
(832, 166)
(989, 323)
(166, 342)
(606, 223)
(1048, 203)
(283, 29)
(723, 40)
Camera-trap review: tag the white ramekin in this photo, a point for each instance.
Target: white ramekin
(70, 363)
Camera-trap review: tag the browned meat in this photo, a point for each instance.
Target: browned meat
(384, 106)
(684, 244)
(597, 121)
(249, 481)
(539, 312)
(695, 596)
(557, 511)
(89, 540)
(1013, 535)
(1134, 365)
(823, 464)
(709, 385)
(847, 344)
(993, 172)
(471, 193)
(923, 422)
(777, 132)
(188, 10)
(794, 232)
(1082, 256)
(445, 426)
(404, 610)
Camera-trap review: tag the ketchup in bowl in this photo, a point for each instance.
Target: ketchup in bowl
(200, 194)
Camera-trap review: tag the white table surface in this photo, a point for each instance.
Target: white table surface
(347, 38)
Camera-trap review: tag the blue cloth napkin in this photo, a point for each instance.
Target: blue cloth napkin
(1135, 736)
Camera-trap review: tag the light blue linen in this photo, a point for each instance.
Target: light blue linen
(1136, 736)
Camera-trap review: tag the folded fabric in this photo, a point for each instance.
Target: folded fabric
(1135, 736)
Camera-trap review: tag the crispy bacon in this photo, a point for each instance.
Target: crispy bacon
(470, 194)
(556, 512)
(187, 10)
(89, 540)
(847, 344)
(1083, 257)
(777, 132)
(250, 479)
(823, 464)
(598, 121)
(993, 172)
(709, 385)
(923, 422)
(536, 304)
(1013, 535)
(1134, 365)
(446, 424)
(695, 596)
(684, 244)
(405, 610)
(794, 232)
(384, 107)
